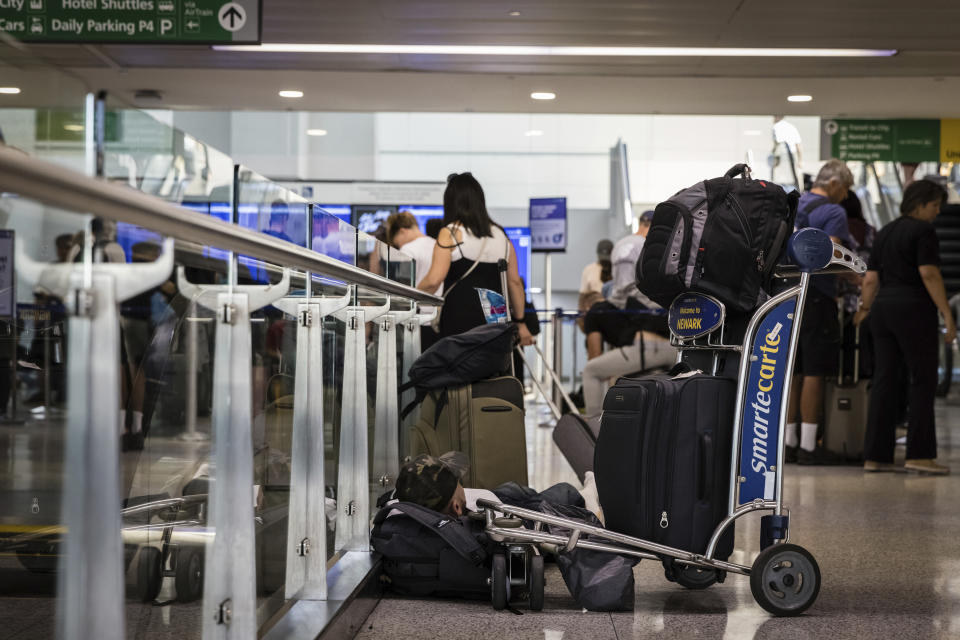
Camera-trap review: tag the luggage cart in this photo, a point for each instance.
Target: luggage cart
(784, 577)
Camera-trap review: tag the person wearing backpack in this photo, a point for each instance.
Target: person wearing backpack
(818, 348)
(466, 259)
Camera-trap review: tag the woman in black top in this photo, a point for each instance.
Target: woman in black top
(904, 266)
(466, 258)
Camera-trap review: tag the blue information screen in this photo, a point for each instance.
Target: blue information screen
(548, 224)
(342, 211)
(520, 237)
(423, 213)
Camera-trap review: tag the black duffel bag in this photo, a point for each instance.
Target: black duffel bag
(428, 553)
(480, 353)
(721, 237)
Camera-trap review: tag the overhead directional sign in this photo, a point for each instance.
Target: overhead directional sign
(901, 140)
(132, 21)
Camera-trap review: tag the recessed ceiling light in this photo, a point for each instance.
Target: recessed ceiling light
(543, 95)
(291, 93)
(316, 132)
(514, 13)
(536, 50)
(753, 132)
(73, 127)
(533, 132)
(10, 90)
(799, 98)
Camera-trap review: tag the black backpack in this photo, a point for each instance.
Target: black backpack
(721, 237)
(480, 353)
(427, 553)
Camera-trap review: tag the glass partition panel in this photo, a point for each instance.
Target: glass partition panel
(333, 237)
(153, 157)
(374, 333)
(273, 378)
(34, 240)
(401, 267)
(168, 334)
(372, 254)
(267, 207)
(48, 117)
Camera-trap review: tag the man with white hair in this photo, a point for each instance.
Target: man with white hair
(818, 348)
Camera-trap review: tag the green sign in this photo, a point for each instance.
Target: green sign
(132, 21)
(884, 140)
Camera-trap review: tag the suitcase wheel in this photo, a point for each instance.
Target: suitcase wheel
(499, 587)
(785, 579)
(689, 576)
(536, 582)
(149, 573)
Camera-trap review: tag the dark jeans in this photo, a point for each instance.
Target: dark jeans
(905, 332)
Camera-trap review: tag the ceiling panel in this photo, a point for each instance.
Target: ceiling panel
(923, 31)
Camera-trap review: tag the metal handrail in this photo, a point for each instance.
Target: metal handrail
(73, 191)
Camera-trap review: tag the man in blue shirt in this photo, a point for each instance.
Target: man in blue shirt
(818, 349)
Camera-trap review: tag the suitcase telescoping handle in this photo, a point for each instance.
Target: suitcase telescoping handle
(502, 267)
(741, 169)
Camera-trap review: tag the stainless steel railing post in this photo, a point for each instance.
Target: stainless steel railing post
(557, 331)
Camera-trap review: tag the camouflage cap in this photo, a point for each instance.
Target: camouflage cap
(426, 481)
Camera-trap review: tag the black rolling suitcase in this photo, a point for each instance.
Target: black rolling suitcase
(663, 459)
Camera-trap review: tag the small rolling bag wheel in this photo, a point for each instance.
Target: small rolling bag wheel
(498, 582)
(536, 584)
(785, 579)
(690, 576)
(189, 575)
(149, 574)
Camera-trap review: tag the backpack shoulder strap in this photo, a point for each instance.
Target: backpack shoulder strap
(449, 529)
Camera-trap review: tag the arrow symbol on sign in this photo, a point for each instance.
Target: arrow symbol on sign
(233, 14)
(192, 24)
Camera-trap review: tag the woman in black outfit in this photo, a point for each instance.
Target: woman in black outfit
(465, 258)
(904, 266)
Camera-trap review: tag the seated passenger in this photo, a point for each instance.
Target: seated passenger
(639, 339)
(594, 276)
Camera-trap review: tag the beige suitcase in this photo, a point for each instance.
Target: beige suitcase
(483, 420)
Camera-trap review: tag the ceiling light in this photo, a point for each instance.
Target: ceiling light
(543, 95)
(753, 132)
(514, 14)
(534, 50)
(533, 132)
(73, 127)
(799, 98)
(10, 90)
(316, 132)
(291, 93)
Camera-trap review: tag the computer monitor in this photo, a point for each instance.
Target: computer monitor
(520, 237)
(342, 211)
(423, 213)
(368, 218)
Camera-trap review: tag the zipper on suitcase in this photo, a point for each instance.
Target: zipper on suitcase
(671, 459)
(648, 493)
(741, 216)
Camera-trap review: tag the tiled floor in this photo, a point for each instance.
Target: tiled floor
(887, 545)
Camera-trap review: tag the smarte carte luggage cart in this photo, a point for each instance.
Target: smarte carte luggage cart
(784, 577)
